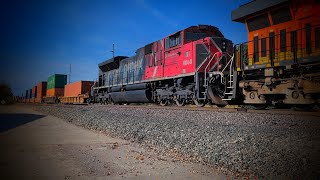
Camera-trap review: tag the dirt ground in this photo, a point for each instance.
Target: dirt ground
(37, 146)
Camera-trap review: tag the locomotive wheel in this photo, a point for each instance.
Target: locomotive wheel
(111, 102)
(180, 102)
(164, 102)
(199, 103)
(215, 98)
(3, 102)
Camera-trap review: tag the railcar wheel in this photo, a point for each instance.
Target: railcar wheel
(199, 103)
(164, 102)
(303, 107)
(260, 106)
(180, 102)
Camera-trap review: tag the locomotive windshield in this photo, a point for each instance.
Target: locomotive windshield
(199, 32)
(195, 36)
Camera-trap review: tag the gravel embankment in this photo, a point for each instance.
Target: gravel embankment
(260, 145)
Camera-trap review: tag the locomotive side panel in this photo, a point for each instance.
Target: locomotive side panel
(126, 72)
(153, 54)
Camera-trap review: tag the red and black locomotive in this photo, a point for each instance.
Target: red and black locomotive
(190, 66)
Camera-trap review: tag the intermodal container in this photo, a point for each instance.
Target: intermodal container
(77, 88)
(55, 92)
(27, 94)
(32, 100)
(34, 92)
(57, 81)
(41, 89)
(37, 100)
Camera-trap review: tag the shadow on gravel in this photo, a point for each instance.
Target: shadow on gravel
(10, 121)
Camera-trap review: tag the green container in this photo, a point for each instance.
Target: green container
(57, 81)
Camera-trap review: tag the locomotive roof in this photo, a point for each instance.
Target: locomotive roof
(240, 14)
(200, 26)
(112, 63)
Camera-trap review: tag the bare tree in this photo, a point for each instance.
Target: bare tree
(6, 96)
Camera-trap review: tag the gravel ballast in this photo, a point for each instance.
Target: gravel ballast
(266, 145)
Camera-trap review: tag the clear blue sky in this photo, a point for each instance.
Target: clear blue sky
(42, 37)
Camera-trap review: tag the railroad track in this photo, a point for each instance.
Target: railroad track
(229, 108)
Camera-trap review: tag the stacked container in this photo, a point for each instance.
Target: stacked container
(77, 88)
(30, 95)
(26, 96)
(34, 94)
(55, 85)
(41, 91)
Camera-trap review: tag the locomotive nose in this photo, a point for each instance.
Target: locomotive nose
(222, 44)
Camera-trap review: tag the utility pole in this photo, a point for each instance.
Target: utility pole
(69, 73)
(112, 51)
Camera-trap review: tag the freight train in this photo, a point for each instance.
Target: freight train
(279, 65)
(56, 90)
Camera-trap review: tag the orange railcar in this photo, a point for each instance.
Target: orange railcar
(280, 35)
(77, 88)
(77, 92)
(280, 61)
(55, 92)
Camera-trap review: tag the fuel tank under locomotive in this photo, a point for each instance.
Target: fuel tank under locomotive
(135, 93)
